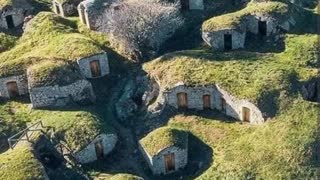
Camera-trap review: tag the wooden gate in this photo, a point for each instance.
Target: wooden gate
(262, 26)
(246, 114)
(223, 105)
(228, 42)
(10, 23)
(13, 90)
(95, 68)
(182, 100)
(169, 160)
(99, 149)
(206, 102)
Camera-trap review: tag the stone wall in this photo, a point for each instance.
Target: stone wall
(57, 8)
(21, 81)
(234, 107)
(157, 162)
(88, 154)
(66, 9)
(196, 4)
(252, 24)
(84, 65)
(216, 39)
(58, 96)
(17, 16)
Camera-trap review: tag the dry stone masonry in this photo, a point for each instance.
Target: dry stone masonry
(94, 66)
(13, 86)
(12, 15)
(80, 92)
(65, 8)
(212, 97)
(103, 144)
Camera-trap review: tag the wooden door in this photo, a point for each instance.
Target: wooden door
(206, 102)
(227, 41)
(262, 26)
(223, 105)
(246, 114)
(99, 149)
(182, 100)
(169, 161)
(10, 23)
(13, 89)
(95, 68)
(184, 5)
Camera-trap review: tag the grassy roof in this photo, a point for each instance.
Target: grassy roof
(6, 41)
(247, 75)
(49, 73)
(47, 37)
(76, 127)
(125, 177)
(162, 138)
(234, 20)
(20, 164)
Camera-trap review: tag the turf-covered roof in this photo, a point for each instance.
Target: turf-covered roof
(20, 164)
(6, 41)
(162, 138)
(46, 37)
(49, 73)
(234, 20)
(246, 75)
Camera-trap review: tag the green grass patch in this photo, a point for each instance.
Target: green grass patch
(6, 41)
(162, 138)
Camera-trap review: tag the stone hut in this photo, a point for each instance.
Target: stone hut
(264, 18)
(65, 7)
(165, 150)
(185, 97)
(90, 11)
(101, 146)
(57, 86)
(13, 86)
(94, 66)
(13, 12)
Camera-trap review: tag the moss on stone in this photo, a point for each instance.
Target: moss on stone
(6, 41)
(47, 37)
(162, 138)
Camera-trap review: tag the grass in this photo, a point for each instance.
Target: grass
(234, 20)
(6, 41)
(280, 149)
(47, 37)
(125, 177)
(20, 164)
(162, 138)
(50, 73)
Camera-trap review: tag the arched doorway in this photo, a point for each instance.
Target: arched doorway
(95, 68)
(99, 149)
(246, 114)
(13, 90)
(206, 102)
(182, 100)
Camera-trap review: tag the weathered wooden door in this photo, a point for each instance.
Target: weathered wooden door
(99, 149)
(262, 26)
(10, 23)
(246, 114)
(95, 68)
(13, 89)
(184, 4)
(227, 41)
(182, 100)
(169, 161)
(206, 102)
(223, 105)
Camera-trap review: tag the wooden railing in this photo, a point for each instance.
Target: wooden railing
(26, 134)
